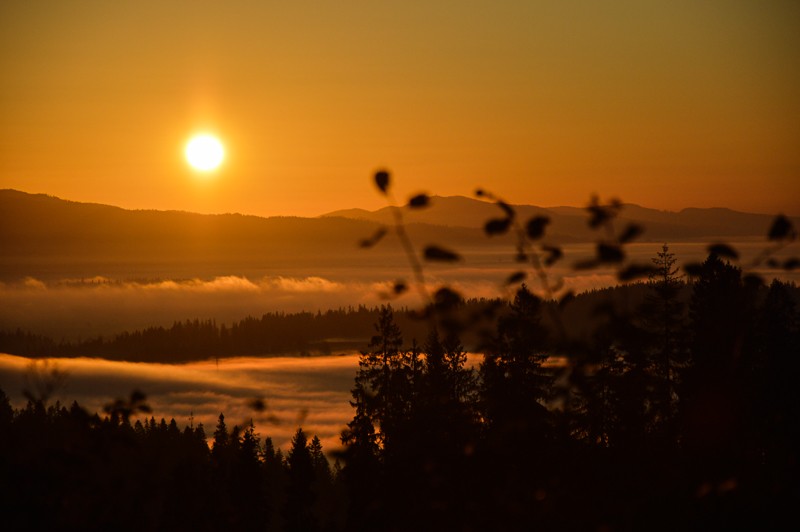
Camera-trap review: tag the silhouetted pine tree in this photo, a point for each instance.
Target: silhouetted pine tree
(274, 481)
(713, 404)
(514, 388)
(221, 439)
(322, 469)
(223, 458)
(719, 315)
(381, 407)
(514, 383)
(300, 496)
(664, 318)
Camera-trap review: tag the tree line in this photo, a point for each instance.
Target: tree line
(271, 334)
(66, 469)
(274, 333)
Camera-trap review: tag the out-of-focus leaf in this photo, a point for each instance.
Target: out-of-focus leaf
(554, 254)
(600, 214)
(609, 253)
(792, 263)
(631, 232)
(374, 239)
(479, 192)
(516, 277)
(597, 216)
(382, 180)
(597, 213)
(723, 250)
(497, 226)
(137, 396)
(108, 408)
(399, 287)
(258, 404)
(436, 253)
(693, 269)
(535, 227)
(419, 201)
(636, 271)
(781, 228)
(506, 208)
(446, 298)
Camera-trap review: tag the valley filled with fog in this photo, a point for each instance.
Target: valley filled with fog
(107, 301)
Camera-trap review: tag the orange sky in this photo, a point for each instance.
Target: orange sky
(666, 104)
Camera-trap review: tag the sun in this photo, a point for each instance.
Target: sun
(204, 152)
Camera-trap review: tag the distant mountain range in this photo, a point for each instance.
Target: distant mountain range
(569, 223)
(44, 236)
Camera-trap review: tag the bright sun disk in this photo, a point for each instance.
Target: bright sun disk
(204, 152)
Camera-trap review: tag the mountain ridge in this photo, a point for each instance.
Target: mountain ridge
(690, 222)
(45, 236)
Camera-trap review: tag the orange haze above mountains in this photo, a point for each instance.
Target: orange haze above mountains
(665, 104)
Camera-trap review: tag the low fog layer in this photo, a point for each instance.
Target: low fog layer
(80, 308)
(312, 391)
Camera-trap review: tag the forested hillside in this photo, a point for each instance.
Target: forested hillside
(303, 333)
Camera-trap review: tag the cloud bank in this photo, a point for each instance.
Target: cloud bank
(95, 305)
(311, 392)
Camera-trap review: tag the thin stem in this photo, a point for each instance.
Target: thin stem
(408, 247)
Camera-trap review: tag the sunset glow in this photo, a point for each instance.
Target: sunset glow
(661, 104)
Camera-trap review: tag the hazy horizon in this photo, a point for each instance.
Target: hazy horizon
(580, 203)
